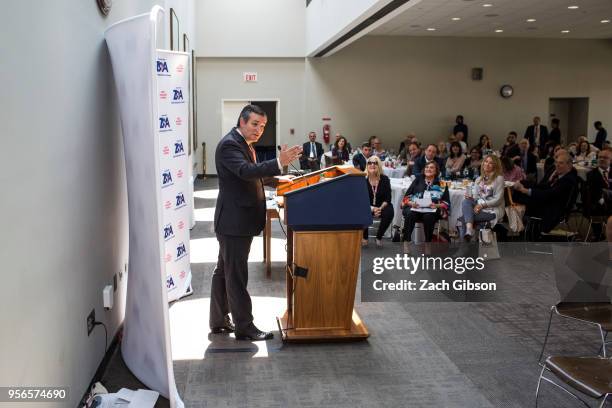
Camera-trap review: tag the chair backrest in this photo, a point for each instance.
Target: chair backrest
(573, 196)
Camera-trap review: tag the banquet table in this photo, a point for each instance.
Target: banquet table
(398, 189)
(396, 173)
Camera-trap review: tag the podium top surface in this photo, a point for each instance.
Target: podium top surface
(317, 177)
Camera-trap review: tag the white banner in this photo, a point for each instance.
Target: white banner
(145, 345)
(173, 135)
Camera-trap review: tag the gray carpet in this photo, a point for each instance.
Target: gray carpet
(418, 355)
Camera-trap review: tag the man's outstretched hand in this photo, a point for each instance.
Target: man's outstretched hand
(287, 155)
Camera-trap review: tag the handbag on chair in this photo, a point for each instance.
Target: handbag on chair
(515, 213)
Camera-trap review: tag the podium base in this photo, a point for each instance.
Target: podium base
(358, 331)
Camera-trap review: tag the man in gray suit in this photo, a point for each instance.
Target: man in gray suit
(240, 214)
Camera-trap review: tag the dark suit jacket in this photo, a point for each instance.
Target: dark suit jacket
(551, 201)
(419, 165)
(554, 136)
(595, 184)
(306, 152)
(530, 134)
(511, 151)
(241, 205)
(360, 161)
(461, 128)
(532, 161)
(600, 139)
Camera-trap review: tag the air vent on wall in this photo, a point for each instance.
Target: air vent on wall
(477, 74)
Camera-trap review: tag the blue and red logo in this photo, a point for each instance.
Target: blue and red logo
(168, 232)
(167, 178)
(164, 124)
(177, 95)
(181, 251)
(170, 283)
(180, 201)
(179, 150)
(162, 67)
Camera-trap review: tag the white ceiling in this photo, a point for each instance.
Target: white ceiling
(552, 16)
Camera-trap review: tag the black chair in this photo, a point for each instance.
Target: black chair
(533, 226)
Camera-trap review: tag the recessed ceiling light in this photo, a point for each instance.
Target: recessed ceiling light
(459, 18)
(431, 29)
(499, 31)
(487, 5)
(564, 31)
(572, 7)
(605, 21)
(531, 20)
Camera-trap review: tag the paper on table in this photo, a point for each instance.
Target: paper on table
(423, 202)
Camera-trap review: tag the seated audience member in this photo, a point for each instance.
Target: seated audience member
(457, 137)
(526, 159)
(461, 127)
(409, 138)
(512, 172)
(349, 148)
(424, 185)
(431, 153)
(572, 149)
(584, 153)
(597, 197)
(550, 197)
(379, 190)
(360, 159)
(311, 154)
(377, 149)
(510, 148)
(455, 161)
(442, 150)
(549, 162)
(484, 145)
(414, 153)
(472, 163)
(488, 204)
(340, 153)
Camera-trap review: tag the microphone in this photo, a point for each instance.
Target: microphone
(298, 171)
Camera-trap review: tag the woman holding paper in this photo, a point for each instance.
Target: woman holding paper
(487, 204)
(379, 189)
(425, 201)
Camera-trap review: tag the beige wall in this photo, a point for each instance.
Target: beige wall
(392, 85)
(389, 86)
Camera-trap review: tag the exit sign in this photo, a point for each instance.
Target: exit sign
(249, 76)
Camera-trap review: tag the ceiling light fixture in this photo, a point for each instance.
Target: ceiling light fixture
(605, 21)
(459, 18)
(499, 31)
(564, 31)
(487, 5)
(531, 20)
(431, 29)
(572, 7)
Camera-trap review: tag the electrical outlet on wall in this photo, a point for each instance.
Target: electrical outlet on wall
(90, 321)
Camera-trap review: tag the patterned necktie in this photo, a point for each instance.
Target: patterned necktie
(253, 155)
(605, 177)
(553, 179)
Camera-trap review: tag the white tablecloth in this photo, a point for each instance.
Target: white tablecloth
(397, 173)
(398, 189)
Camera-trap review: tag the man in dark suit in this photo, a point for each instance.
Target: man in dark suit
(602, 135)
(549, 198)
(431, 154)
(596, 198)
(360, 159)
(313, 150)
(537, 134)
(240, 214)
(511, 148)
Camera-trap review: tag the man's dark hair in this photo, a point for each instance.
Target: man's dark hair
(459, 117)
(365, 144)
(597, 124)
(436, 146)
(246, 113)
(513, 133)
(555, 121)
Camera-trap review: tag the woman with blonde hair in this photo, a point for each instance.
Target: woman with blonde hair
(379, 190)
(487, 202)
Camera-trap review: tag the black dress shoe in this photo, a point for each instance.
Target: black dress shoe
(228, 327)
(255, 335)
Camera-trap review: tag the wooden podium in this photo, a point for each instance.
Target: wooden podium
(325, 213)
